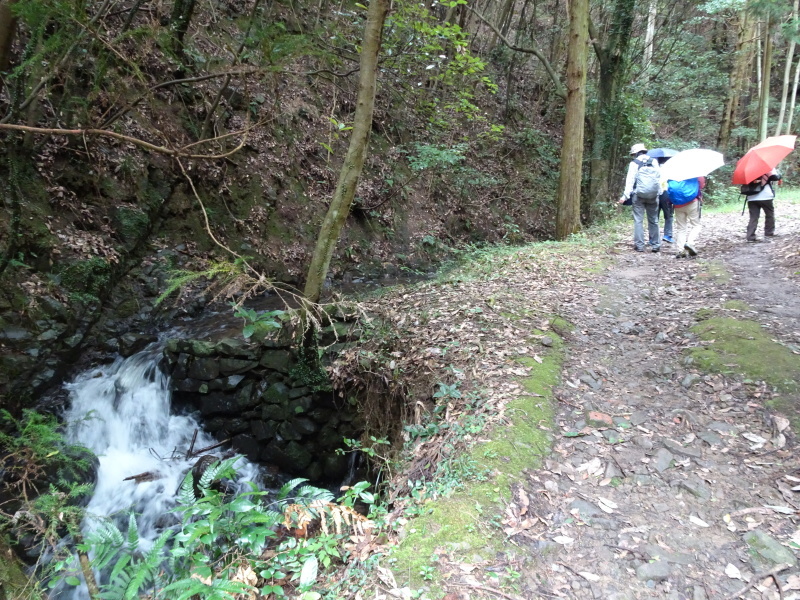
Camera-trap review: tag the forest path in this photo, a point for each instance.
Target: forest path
(666, 481)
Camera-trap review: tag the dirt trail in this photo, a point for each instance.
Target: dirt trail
(661, 472)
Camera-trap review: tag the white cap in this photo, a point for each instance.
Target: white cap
(636, 148)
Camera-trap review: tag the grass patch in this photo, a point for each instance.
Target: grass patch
(742, 346)
(736, 305)
(715, 272)
(467, 527)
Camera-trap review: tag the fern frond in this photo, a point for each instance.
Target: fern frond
(186, 491)
(133, 533)
(310, 492)
(287, 487)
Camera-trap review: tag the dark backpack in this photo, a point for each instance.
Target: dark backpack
(648, 179)
(752, 188)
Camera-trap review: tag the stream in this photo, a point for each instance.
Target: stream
(121, 412)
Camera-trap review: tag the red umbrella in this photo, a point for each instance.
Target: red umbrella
(762, 158)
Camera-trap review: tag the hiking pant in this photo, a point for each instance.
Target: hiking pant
(665, 205)
(755, 207)
(639, 208)
(687, 224)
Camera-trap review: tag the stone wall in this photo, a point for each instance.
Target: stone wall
(272, 407)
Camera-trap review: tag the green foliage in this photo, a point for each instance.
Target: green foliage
(222, 273)
(219, 548)
(258, 323)
(438, 158)
(91, 277)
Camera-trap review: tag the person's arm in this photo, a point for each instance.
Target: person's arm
(630, 180)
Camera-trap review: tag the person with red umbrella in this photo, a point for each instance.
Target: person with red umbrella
(755, 172)
(762, 199)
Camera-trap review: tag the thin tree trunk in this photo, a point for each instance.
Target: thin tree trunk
(356, 152)
(568, 212)
(650, 34)
(182, 12)
(787, 72)
(8, 29)
(743, 54)
(765, 77)
(790, 118)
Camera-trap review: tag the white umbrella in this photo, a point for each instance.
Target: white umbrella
(697, 162)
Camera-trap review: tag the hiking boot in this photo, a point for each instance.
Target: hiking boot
(655, 249)
(690, 249)
(668, 239)
(639, 249)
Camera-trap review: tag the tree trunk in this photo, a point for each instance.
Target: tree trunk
(787, 72)
(738, 79)
(766, 71)
(356, 152)
(650, 35)
(794, 97)
(182, 12)
(569, 182)
(611, 71)
(8, 29)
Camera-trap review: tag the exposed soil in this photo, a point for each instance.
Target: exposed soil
(666, 479)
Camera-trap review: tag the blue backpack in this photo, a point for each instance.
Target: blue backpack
(683, 192)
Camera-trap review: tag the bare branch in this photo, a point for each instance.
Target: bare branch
(561, 91)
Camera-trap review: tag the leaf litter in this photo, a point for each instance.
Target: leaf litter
(692, 461)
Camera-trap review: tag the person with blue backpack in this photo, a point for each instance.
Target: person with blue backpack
(686, 197)
(642, 187)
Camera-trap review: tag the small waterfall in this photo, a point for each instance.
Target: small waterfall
(122, 413)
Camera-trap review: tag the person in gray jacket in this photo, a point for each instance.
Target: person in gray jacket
(762, 201)
(641, 205)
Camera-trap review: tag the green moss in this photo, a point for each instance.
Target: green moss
(90, 277)
(714, 271)
(467, 525)
(704, 313)
(131, 224)
(742, 346)
(13, 581)
(736, 305)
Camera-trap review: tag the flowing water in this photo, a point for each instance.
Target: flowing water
(122, 413)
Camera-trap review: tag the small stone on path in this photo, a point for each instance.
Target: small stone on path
(663, 460)
(658, 570)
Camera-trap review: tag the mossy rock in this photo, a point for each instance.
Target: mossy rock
(742, 346)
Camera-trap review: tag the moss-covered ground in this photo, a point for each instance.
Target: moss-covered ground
(742, 346)
(467, 526)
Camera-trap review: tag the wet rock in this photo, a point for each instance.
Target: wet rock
(335, 466)
(235, 366)
(689, 380)
(276, 360)
(663, 460)
(275, 412)
(723, 428)
(546, 341)
(248, 445)
(768, 548)
(286, 431)
(130, 343)
(14, 333)
(710, 438)
(658, 553)
(658, 570)
(681, 450)
(263, 430)
(277, 393)
(292, 457)
(696, 488)
(590, 381)
(204, 369)
(598, 419)
(301, 405)
(236, 348)
(305, 426)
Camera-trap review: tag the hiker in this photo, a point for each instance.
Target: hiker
(665, 206)
(762, 200)
(642, 186)
(686, 197)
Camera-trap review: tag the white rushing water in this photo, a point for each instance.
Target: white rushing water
(122, 413)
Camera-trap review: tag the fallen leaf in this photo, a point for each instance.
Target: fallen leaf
(732, 572)
(563, 540)
(698, 521)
